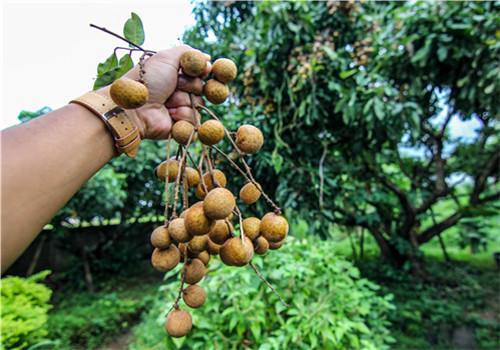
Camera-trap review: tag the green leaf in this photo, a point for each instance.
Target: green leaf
(348, 73)
(133, 29)
(110, 63)
(378, 107)
(125, 65)
(442, 53)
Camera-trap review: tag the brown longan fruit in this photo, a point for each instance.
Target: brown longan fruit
(165, 260)
(218, 203)
(128, 93)
(220, 179)
(194, 271)
(251, 227)
(182, 131)
(215, 91)
(273, 227)
(193, 63)
(250, 193)
(220, 231)
(211, 132)
(249, 139)
(196, 222)
(261, 245)
(160, 238)
(177, 230)
(204, 256)
(213, 248)
(197, 244)
(276, 245)
(168, 168)
(236, 252)
(178, 323)
(192, 176)
(224, 70)
(194, 296)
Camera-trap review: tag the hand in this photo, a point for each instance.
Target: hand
(168, 93)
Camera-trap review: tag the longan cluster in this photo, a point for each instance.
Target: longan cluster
(213, 225)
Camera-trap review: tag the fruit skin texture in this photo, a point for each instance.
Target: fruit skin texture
(166, 259)
(178, 323)
(211, 132)
(218, 203)
(250, 193)
(273, 227)
(194, 271)
(213, 248)
(220, 230)
(160, 238)
(204, 256)
(197, 244)
(193, 63)
(169, 167)
(249, 139)
(181, 131)
(128, 93)
(215, 91)
(251, 227)
(276, 245)
(261, 245)
(224, 70)
(220, 179)
(194, 296)
(178, 232)
(193, 177)
(236, 252)
(196, 222)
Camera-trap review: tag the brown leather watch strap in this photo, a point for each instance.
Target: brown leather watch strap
(125, 132)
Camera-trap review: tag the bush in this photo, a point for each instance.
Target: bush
(331, 307)
(25, 303)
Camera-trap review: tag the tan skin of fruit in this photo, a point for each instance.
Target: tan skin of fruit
(181, 131)
(128, 93)
(193, 177)
(236, 252)
(220, 231)
(204, 256)
(194, 296)
(160, 238)
(196, 222)
(224, 70)
(194, 271)
(165, 260)
(170, 167)
(251, 227)
(211, 132)
(197, 244)
(213, 248)
(219, 203)
(193, 63)
(273, 227)
(261, 245)
(178, 323)
(249, 139)
(250, 193)
(276, 245)
(178, 232)
(215, 91)
(220, 179)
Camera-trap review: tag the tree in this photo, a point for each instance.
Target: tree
(356, 102)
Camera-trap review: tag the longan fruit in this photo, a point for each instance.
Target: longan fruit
(236, 252)
(220, 179)
(178, 323)
(194, 296)
(249, 139)
(197, 244)
(194, 271)
(251, 227)
(196, 222)
(215, 91)
(261, 245)
(213, 248)
(192, 176)
(183, 250)
(204, 256)
(168, 168)
(181, 131)
(273, 227)
(165, 260)
(160, 238)
(218, 203)
(177, 230)
(220, 231)
(128, 93)
(250, 193)
(276, 245)
(193, 63)
(224, 70)
(211, 132)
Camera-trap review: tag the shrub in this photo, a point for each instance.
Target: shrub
(331, 307)
(25, 303)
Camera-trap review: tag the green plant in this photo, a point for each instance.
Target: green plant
(331, 307)
(25, 303)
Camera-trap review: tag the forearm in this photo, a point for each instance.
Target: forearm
(48, 161)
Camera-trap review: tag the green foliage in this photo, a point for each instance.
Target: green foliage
(25, 303)
(331, 307)
(133, 29)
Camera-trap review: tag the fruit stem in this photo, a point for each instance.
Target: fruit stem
(263, 279)
(121, 37)
(180, 168)
(238, 212)
(166, 183)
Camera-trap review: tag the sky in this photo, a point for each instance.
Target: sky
(50, 54)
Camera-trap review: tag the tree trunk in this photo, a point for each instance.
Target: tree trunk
(88, 274)
(362, 244)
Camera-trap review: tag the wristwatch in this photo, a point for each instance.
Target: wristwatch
(125, 133)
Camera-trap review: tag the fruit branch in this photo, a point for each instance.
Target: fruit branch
(121, 37)
(266, 282)
(165, 213)
(180, 170)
